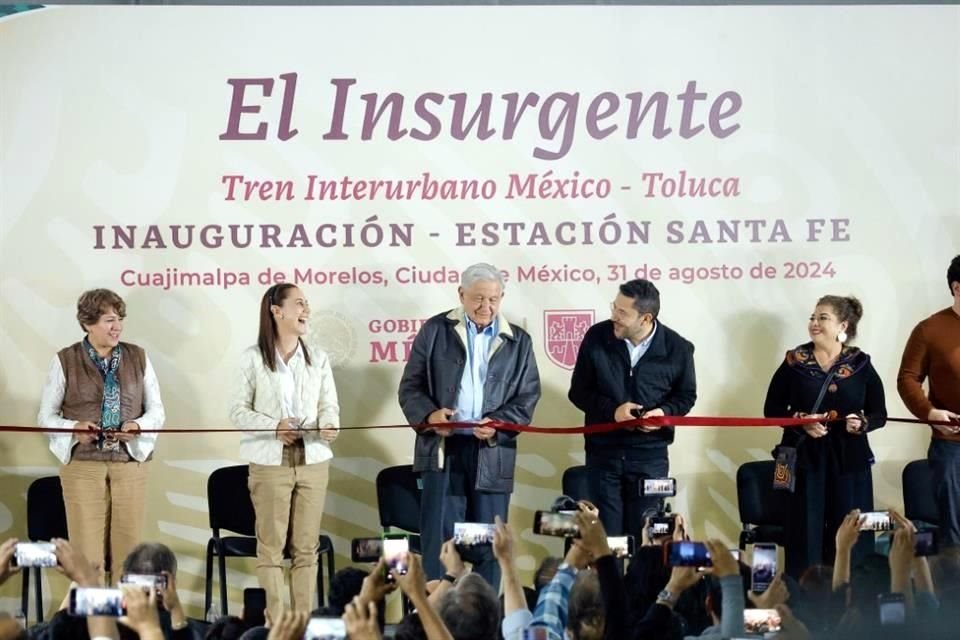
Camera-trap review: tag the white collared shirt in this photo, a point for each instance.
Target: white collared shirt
(637, 351)
(51, 404)
(288, 383)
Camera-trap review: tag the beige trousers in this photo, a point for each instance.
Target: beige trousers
(106, 508)
(288, 500)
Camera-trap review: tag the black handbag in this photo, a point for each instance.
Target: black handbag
(785, 468)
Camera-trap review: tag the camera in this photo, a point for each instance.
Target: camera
(893, 609)
(876, 521)
(685, 553)
(560, 521)
(89, 601)
(658, 487)
(34, 554)
(396, 546)
(469, 534)
(148, 582)
(366, 549)
(323, 628)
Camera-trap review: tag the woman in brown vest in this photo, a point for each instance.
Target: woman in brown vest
(106, 391)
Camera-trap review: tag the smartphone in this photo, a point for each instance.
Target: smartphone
(658, 487)
(325, 629)
(366, 549)
(764, 566)
(535, 633)
(469, 534)
(893, 609)
(254, 603)
(926, 543)
(876, 521)
(395, 549)
(761, 621)
(622, 546)
(34, 554)
(556, 523)
(662, 526)
(90, 601)
(684, 553)
(157, 582)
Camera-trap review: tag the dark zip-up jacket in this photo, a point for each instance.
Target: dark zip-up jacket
(603, 380)
(431, 380)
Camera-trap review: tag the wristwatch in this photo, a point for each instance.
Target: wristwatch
(666, 597)
(449, 578)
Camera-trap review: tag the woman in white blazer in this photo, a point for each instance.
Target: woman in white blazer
(288, 389)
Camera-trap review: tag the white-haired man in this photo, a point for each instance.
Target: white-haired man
(468, 364)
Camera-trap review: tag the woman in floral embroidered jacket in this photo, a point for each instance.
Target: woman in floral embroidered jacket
(833, 456)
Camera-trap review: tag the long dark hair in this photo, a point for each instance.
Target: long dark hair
(267, 340)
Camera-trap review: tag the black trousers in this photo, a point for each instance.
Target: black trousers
(450, 496)
(944, 457)
(824, 496)
(614, 485)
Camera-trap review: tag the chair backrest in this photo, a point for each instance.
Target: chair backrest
(575, 483)
(398, 498)
(46, 513)
(758, 502)
(919, 494)
(228, 500)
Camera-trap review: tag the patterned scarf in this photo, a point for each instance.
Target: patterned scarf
(110, 408)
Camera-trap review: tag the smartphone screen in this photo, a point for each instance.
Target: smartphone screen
(556, 523)
(661, 526)
(876, 521)
(764, 567)
(761, 621)
(35, 554)
(158, 582)
(535, 633)
(325, 629)
(366, 549)
(893, 609)
(664, 487)
(88, 601)
(685, 553)
(469, 534)
(395, 550)
(254, 603)
(736, 554)
(622, 546)
(925, 543)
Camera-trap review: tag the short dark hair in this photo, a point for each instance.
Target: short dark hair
(410, 628)
(344, 587)
(471, 610)
(151, 558)
(646, 296)
(226, 628)
(95, 303)
(953, 273)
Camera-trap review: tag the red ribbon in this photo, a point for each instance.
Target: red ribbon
(658, 421)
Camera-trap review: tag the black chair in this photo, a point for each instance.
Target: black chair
(762, 509)
(230, 508)
(398, 501)
(46, 519)
(575, 483)
(919, 494)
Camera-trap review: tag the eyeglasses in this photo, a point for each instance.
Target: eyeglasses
(620, 314)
